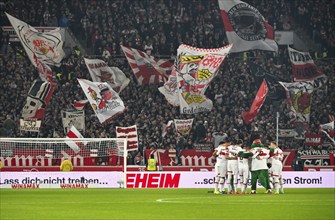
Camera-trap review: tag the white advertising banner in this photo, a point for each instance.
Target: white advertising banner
(206, 180)
(18, 180)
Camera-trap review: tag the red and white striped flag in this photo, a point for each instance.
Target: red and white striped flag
(80, 105)
(147, 69)
(257, 103)
(303, 66)
(245, 27)
(73, 134)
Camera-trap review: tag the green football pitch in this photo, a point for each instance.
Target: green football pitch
(172, 204)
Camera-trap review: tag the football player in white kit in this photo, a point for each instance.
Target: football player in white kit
(243, 169)
(276, 169)
(220, 167)
(232, 165)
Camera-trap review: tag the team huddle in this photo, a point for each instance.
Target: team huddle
(233, 160)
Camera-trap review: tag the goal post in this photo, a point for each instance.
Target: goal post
(51, 151)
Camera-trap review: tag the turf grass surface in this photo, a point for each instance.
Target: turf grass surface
(190, 204)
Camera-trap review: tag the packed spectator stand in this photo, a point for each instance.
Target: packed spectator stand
(158, 28)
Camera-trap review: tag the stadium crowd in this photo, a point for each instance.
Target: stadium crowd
(158, 28)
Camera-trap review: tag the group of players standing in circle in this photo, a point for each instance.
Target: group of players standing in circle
(234, 159)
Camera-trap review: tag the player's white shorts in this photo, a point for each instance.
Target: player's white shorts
(276, 169)
(232, 167)
(243, 170)
(221, 169)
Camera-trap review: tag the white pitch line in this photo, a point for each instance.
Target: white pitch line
(200, 200)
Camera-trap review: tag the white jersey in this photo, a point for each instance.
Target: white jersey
(261, 163)
(276, 161)
(277, 156)
(233, 150)
(232, 164)
(221, 152)
(243, 161)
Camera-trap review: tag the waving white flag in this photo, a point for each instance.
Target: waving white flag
(105, 102)
(101, 72)
(46, 46)
(245, 27)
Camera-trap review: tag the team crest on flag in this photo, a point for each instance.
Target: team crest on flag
(299, 97)
(146, 68)
(101, 72)
(183, 126)
(105, 102)
(46, 46)
(245, 27)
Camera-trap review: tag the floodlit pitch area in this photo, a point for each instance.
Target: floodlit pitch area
(169, 204)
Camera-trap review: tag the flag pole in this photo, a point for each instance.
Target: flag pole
(277, 127)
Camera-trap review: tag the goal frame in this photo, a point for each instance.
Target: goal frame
(123, 149)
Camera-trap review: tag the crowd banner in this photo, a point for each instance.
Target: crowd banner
(245, 27)
(286, 133)
(312, 139)
(131, 134)
(47, 46)
(303, 66)
(105, 102)
(147, 69)
(73, 118)
(183, 126)
(101, 72)
(32, 125)
(205, 180)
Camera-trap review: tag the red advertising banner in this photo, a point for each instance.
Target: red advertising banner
(191, 160)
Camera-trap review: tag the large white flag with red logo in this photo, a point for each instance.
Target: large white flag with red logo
(146, 68)
(47, 45)
(130, 133)
(256, 104)
(299, 99)
(195, 69)
(303, 66)
(245, 27)
(105, 102)
(101, 72)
